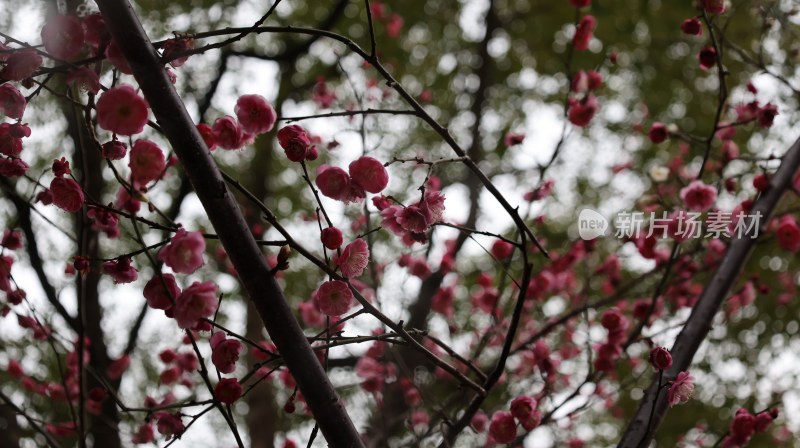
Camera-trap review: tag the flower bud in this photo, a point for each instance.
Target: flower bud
(660, 358)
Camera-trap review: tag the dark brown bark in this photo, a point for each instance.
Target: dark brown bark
(262, 415)
(10, 431)
(262, 418)
(699, 323)
(229, 223)
(105, 427)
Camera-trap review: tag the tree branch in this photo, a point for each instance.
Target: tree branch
(31, 421)
(227, 218)
(24, 216)
(699, 323)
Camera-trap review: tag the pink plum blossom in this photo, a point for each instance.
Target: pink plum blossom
(503, 428)
(147, 161)
(184, 253)
(513, 139)
(698, 196)
(581, 112)
(333, 182)
(21, 65)
(331, 238)
(161, 291)
(85, 79)
(584, 32)
(354, 258)
(295, 142)
(681, 389)
(228, 133)
(788, 233)
(225, 352)
(12, 103)
(63, 36)
(369, 174)
(228, 390)
(120, 270)
(114, 150)
(122, 111)
(196, 302)
(333, 297)
(255, 114)
(117, 59)
(67, 194)
(118, 367)
(175, 46)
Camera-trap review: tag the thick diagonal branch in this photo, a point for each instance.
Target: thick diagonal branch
(225, 215)
(699, 323)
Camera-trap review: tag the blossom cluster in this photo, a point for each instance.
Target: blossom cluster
(503, 426)
(744, 425)
(412, 221)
